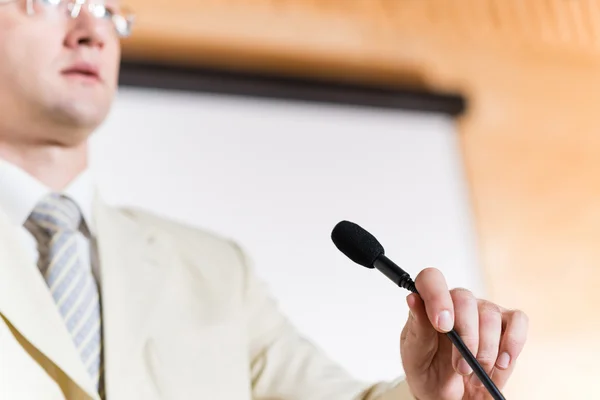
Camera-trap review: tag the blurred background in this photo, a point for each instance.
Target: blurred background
(463, 134)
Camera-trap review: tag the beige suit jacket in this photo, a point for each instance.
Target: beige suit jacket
(184, 318)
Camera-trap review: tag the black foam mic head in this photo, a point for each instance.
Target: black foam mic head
(356, 243)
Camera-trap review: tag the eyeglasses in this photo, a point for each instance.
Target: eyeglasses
(120, 17)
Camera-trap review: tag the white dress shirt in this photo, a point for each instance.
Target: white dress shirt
(20, 193)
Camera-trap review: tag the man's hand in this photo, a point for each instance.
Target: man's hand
(434, 368)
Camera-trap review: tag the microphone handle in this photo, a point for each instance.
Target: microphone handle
(403, 279)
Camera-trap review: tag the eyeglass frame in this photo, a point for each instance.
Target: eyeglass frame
(74, 8)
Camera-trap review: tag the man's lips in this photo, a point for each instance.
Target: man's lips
(83, 70)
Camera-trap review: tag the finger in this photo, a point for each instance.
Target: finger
(466, 325)
(433, 289)
(490, 333)
(418, 339)
(516, 326)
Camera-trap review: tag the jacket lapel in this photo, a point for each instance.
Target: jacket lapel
(131, 257)
(27, 304)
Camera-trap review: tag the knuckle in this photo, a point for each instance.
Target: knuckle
(486, 358)
(404, 334)
(472, 342)
(462, 297)
(489, 320)
(487, 308)
(467, 330)
(521, 318)
(512, 342)
(410, 332)
(461, 293)
(515, 338)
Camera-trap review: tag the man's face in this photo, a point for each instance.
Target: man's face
(58, 75)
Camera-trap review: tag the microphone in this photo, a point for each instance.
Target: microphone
(362, 248)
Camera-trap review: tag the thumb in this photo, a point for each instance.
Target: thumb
(419, 340)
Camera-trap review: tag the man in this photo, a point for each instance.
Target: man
(97, 302)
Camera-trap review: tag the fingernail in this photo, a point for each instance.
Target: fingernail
(503, 360)
(463, 367)
(445, 322)
(475, 381)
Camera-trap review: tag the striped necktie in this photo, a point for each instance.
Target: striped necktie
(55, 222)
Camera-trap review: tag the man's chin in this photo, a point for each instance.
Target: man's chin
(80, 114)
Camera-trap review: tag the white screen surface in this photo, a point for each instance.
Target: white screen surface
(277, 176)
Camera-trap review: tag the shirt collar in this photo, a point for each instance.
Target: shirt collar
(21, 192)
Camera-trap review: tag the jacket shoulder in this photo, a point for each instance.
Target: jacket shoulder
(218, 256)
(183, 231)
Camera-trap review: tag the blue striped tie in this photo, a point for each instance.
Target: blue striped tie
(56, 220)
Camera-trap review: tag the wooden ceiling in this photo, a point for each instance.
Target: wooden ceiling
(372, 41)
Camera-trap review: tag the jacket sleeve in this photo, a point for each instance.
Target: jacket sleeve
(287, 366)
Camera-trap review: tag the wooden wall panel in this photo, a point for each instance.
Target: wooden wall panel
(531, 147)
(531, 138)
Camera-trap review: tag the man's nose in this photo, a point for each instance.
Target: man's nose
(84, 28)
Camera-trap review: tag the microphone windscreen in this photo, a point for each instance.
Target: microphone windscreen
(356, 243)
